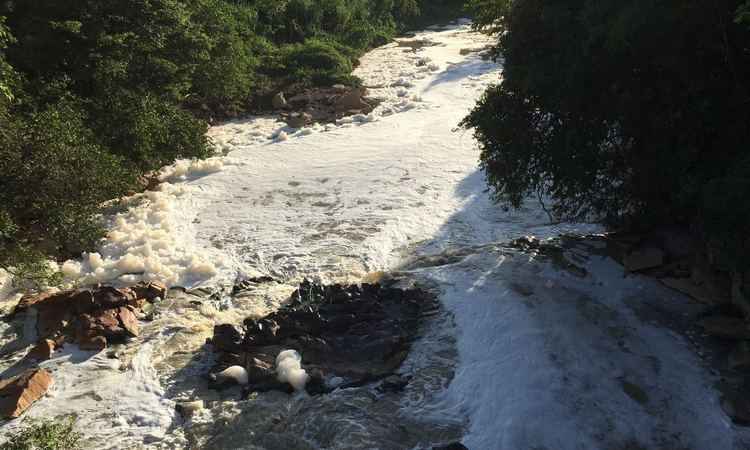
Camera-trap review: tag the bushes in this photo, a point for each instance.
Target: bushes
(315, 62)
(633, 113)
(55, 176)
(44, 435)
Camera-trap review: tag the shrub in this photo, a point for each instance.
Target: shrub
(44, 435)
(315, 62)
(55, 176)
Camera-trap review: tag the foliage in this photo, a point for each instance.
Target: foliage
(49, 207)
(44, 435)
(632, 112)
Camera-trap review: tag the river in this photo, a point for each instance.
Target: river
(524, 355)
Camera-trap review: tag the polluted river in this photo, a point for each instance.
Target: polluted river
(519, 350)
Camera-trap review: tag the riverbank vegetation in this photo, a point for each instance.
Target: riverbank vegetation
(631, 113)
(96, 93)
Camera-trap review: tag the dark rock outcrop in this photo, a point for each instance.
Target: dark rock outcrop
(359, 334)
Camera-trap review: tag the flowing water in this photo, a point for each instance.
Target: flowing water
(524, 355)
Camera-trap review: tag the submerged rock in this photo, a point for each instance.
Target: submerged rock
(359, 334)
(17, 394)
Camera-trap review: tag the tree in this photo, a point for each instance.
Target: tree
(634, 113)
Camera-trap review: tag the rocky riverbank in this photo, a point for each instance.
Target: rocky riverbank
(92, 319)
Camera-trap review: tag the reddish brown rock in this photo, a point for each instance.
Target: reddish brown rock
(92, 343)
(54, 310)
(18, 393)
(108, 297)
(128, 320)
(42, 351)
(102, 323)
(150, 291)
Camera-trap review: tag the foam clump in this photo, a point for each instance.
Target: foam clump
(146, 243)
(183, 169)
(234, 374)
(289, 369)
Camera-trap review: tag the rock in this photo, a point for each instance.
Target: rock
(101, 323)
(643, 258)
(54, 311)
(702, 293)
(227, 338)
(189, 409)
(259, 371)
(108, 297)
(737, 407)
(352, 100)
(151, 291)
(452, 446)
(128, 320)
(115, 324)
(394, 383)
(339, 87)
(298, 120)
(278, 101)
(726, 327)
(42, 351)
(92, 343)
(17, 394)
(739, 358)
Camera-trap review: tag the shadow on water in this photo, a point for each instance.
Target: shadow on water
(456, 72)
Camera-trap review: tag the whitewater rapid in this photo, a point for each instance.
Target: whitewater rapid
(524, 356)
